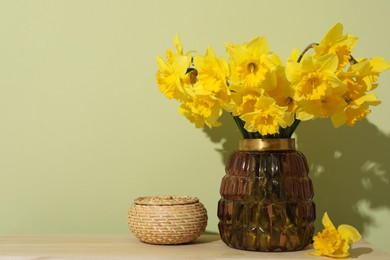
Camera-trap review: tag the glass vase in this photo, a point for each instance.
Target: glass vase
(266, 197)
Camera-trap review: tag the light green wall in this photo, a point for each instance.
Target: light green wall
(84, 130)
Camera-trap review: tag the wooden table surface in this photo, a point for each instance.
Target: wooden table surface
(128, 247)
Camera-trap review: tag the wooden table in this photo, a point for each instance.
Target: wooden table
(117, 247)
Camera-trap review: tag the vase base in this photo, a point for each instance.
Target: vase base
(250, 241)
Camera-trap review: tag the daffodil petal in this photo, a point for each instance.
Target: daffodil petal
(179, 48)
(328, 63)
(379, 64)
(349, 233)
(338, 119)
(333, 34)
(326, 221)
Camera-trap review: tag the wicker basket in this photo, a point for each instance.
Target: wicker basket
(167, 220)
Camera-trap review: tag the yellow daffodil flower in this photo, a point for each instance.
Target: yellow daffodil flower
(283, 92)
(361, 76)
(267, 117)
(244, 99)
(357, 79)
(355, 111)
(334, 242)
(212, 74)
(360, 79)
(337, 43)
(323, 108)
(171, 77)
(317, 90)
(314, 77)
(252, 65)
(202, 110)
(207, 91)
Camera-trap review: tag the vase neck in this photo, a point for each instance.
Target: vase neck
(272, 144)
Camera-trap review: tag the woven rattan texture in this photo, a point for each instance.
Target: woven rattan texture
(165, 200)
(167, 224)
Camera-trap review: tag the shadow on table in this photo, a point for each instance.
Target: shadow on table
(359, 251)
(207, 237)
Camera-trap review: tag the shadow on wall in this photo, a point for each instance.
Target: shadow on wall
(349, 167)
(227, 134)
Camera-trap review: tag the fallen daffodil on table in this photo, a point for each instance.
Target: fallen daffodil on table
(334, 242)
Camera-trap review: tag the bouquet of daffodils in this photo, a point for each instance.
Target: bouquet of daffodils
(266, 98)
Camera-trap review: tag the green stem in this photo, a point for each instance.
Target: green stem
(311, 45)
(289, 131)
(240, 125)
(245, 134)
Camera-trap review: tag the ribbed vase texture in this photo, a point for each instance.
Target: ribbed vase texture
(266, 201)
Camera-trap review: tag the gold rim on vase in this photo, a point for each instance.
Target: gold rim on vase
(271, 144)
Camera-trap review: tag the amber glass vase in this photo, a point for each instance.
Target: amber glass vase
(266, 197)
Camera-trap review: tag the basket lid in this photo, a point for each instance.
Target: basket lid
(166, 200)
